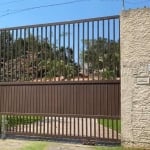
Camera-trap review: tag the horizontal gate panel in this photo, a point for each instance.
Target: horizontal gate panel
(83, 98)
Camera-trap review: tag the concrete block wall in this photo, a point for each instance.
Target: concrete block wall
(135, 76)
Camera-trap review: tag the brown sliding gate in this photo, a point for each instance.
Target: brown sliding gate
(62, 79)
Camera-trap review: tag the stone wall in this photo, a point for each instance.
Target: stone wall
(135, 75)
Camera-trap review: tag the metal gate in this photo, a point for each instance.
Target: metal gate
(62, 79)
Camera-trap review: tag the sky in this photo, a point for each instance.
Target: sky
(76, 9)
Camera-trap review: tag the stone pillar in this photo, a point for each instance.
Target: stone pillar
(135, 78)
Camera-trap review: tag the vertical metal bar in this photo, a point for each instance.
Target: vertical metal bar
(100, 107)
(11, 57)
(37, 116)
(86, 108)
(86, 126)
(20, 123)
(40, 125)
(93, 59)
(83, 51)
(103, 46)
(78, 49)
(4, 54)
(19, 104)
(119, 99)
(70, 121)
(37, 53)
(95, 128)
(24, 66)
(63, 111)
(90, 127)
(33, 125)
(51, 107)
(88, 47)
(28, 56)
(21, 53)
(117, 129)
(83, 109)
(107, 97)
(30, 90)
(16, 122)
(8, 49)
(59, 53)
(71, 108)
(112, 112)
(109, 50)
(59, 125)
(67, 104)
(112, 122)
(55, 107)
(82, 127)
(16, 58)
(78, 126)
(25, 110)
(41, 52)
(44, 123)
(23, 124)
(32, 54)
(103, 122)
(46, 43)
(73, 38)
(55, 52)
(66, 125)
(64, 46)
(69, 57)
(60, 110)
(50, 47)
(51, 125)
(70, 104)
(33, 108)
(96, 110)
(74, 110)
(7, 126)
(48, 124)
(114, 47)
(98, 49)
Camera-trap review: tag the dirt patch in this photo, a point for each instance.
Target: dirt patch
(66, 146)
(20, 144)
(11, 144)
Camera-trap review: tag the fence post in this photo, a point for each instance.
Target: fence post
(135, 78)
(3, 127)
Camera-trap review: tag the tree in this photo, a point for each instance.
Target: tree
(61, 65)
(102, 56)
(31, 57)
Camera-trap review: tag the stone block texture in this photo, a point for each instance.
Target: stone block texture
(135, 57)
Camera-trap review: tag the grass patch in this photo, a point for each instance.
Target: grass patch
(113, 148)
(35, 146)
(17, 120)
(108, 148)
(112, 124)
